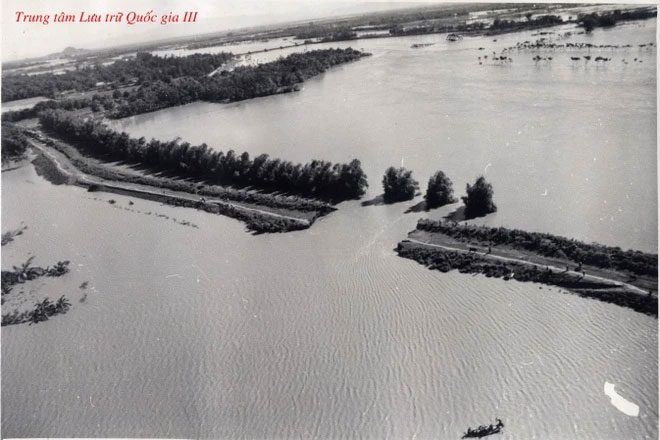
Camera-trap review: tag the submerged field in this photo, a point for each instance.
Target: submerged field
(209, 332)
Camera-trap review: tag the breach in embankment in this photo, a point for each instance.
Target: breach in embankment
(609, 274)
(269, 195)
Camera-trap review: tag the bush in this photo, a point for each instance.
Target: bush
(439, 191)
(14, 142)
(398, 185)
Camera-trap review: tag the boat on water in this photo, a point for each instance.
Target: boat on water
(454, 37)
(483, 430)
(418, 45)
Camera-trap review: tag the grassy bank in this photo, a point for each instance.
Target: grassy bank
(262, 212)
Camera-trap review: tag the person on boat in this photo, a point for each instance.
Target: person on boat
(499, 423)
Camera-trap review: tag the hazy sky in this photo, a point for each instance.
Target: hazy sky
(22, 40)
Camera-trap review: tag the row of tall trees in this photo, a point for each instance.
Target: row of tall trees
(317, 178)
(399, 185)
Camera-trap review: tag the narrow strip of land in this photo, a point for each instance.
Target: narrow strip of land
(609, 274)
(493, 255)
(75, 176)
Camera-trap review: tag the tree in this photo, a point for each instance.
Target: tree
(399, 185)
(479, 199)
(439, 191)
(14, 142)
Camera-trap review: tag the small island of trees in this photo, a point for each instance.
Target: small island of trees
(439, 191)
(479, 199)
(399, 185)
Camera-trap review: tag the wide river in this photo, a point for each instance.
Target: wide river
(213, 332)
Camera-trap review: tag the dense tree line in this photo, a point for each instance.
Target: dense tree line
(608, 19)
(14, 142)
(318, 178)
(398, 185)
(439, 191)
(445, 260)
(541, 21)
(550, 246)
(479, 199)
(340, 36)
(145, 67)
(244, 82)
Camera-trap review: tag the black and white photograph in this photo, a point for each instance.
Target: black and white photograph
(329, 219)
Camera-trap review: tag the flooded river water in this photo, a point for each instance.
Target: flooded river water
(212, 332)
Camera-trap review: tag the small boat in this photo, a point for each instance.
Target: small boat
(483, 431)
(454, 37)
(418, 45)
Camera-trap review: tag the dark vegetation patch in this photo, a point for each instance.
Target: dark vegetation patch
(47, 169)
(243, 82)
(41, 312)
(142, 69)
(14, 142)
(27, 272)
(398, 185)
(609, 19)
(478, 199)
(150, 82)
(8, 237)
